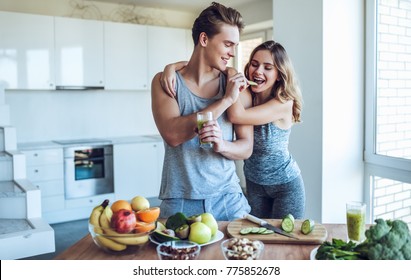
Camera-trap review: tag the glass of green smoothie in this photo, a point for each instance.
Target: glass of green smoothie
(356, 221)
(202, 118)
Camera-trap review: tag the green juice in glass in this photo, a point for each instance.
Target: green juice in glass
(202, 118)
(356, 225)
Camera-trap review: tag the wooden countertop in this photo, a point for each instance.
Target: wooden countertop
(85, 249)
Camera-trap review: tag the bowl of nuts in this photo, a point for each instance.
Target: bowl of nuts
(178, 250)
(242, 249)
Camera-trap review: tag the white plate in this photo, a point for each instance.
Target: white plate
(313, 253)
(217, 237)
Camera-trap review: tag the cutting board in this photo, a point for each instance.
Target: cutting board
(317, 236)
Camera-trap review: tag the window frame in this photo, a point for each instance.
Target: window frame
(398, 169)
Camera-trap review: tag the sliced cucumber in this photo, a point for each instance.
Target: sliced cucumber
(244, 231)
(287, 224)
(255, 230)
(307, 226)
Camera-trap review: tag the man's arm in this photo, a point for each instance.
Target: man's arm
(174, 128)
(242, 147)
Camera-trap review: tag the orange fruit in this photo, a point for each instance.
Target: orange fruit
(144, 227)
(148, 215)
(121, 204)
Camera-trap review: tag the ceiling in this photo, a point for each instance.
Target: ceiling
(193, 6)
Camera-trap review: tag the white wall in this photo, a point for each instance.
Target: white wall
(324, 39)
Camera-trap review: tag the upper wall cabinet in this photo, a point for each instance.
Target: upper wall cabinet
(79, 47)
(26, 51)
(165, 45)
(125, 56)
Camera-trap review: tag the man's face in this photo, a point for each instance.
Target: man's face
(222, 46)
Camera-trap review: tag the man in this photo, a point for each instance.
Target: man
(197, 180)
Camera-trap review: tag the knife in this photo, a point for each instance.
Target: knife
(265, 224)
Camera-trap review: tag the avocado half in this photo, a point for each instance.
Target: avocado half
(163, 237)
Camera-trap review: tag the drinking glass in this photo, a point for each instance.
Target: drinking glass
(202, 118)
(356, 221)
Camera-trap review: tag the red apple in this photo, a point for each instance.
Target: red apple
(123, 221)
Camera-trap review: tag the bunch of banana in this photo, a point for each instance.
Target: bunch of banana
(126, 239)
(95, 221)
(95, 216)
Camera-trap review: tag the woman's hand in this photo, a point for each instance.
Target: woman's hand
(168, 77)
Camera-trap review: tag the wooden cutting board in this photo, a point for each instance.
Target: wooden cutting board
(317, 236)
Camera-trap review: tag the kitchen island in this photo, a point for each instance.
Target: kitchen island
(85, 249)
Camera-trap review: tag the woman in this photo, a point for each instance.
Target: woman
(274, 183)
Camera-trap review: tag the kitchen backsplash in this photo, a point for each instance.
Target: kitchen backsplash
(52, 115)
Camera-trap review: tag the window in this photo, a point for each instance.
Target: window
(247, 43)
(388, 109)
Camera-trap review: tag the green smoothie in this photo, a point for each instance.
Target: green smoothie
(202, 118)
(356, 225)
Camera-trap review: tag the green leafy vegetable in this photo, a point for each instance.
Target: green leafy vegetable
(386, 240)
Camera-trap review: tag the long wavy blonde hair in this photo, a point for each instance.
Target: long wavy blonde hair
(287, 87)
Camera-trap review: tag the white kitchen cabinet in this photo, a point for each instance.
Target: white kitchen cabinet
(165, 45)
(79, 47)
(26, 51)
(137, 169)
(45, 169)
(125, 56)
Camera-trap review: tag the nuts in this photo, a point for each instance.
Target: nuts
(173, 253)
(242, 249)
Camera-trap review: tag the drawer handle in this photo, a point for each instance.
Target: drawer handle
(36, 155)
(36, 170)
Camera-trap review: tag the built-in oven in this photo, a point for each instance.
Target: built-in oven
(88, 170)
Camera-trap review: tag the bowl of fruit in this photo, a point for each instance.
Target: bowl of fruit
(123, 227)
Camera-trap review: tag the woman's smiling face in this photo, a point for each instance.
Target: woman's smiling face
(262, 71)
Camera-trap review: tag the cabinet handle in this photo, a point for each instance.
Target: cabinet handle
(91, 201)
(36, 155)
(36, 171)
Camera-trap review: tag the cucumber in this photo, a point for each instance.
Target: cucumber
(244, 231)
(287, 224)
(307, 226)
(255, 230)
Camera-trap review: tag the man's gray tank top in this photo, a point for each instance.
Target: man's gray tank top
(192, 172)
(271, 163)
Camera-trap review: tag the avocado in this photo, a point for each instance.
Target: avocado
(193, 219)
(183, 231)
(175, 221)
(162, 236)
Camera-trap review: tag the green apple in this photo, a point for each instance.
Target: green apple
(209, 220)
(199, 233)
